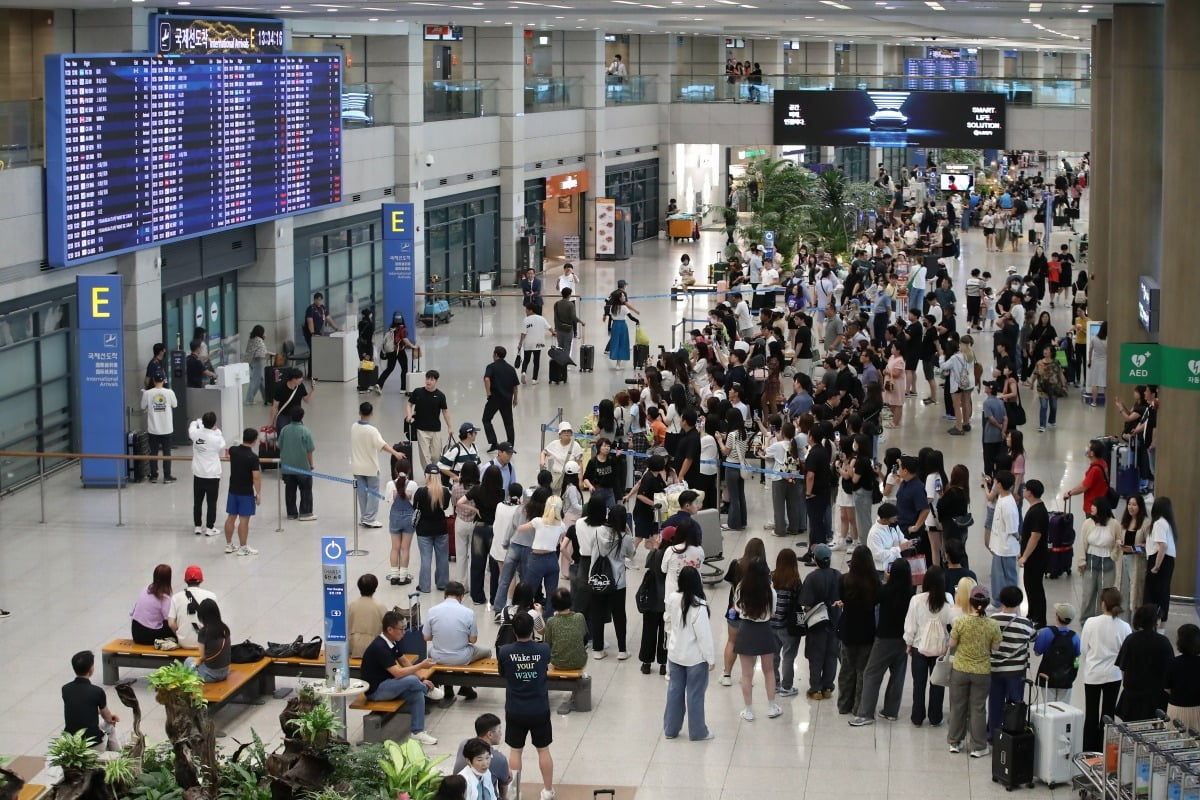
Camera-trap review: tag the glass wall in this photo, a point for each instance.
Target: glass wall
(857, 162)
(342, 260)
(37, 399)
(211, 305)
(535, 222)
(636, 186)
(462, 239)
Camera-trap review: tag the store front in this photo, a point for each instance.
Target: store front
(636, 185)
(563, 215)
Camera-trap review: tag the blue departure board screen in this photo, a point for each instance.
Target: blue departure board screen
(143, 150)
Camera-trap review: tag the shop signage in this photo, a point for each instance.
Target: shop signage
(184, 35)
(101, 377)
(567, 183)
(333, 579)
(1180, 368)
(399, 265)
(606, 217)
(1141, 362)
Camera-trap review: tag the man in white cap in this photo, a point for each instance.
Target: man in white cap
(559, 452)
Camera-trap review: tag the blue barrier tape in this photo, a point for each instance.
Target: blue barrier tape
(334, 478)
(739, 289)
(743, 467)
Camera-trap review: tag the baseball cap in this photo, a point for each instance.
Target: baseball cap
(565, 426)
(506, 447)
(822, 553)
(572, 468)
(981, 593)
(466, 429)
(193, 574)
(668, 534)
(432, 468)
(621, 284)
(1011, 270)
(1065, 611)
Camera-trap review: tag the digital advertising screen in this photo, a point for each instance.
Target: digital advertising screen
(887, 118)
(955, 181)
(188, 34)
(142, 150)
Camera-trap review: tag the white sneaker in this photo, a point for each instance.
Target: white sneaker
(621, 656)
(524, 378)
(547, 794)
(835, 547)
(230, 548)
(424, 738)
(747, 714)
(246, 550)
(435, 694)
(773, 711)
(372, 524)
(599, 654)
(308, 517)
(376, 388)
(211, 532)
(726, 680)
(534, 381)
(199, 530)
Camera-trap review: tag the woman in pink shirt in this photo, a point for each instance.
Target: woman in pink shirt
(148, 619)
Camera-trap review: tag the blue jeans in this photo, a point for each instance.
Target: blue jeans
(1004, 573)
(736, 518)
(543, 569)
(1004, 687)
(207, 674)
(686, 690)
(786, 649)
(255, 387)
(368, 504)
(516, 559)
(431, 547)
(916, 300)
(410, 690)
(481, 543)
(607, 496)
(1052, 404)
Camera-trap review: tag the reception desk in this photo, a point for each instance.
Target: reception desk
(335, 357)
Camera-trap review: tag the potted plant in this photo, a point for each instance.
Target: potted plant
(120, 774)
(304, 701)
(73, 753)
(189, 729)
(408, 773)
(316, 726)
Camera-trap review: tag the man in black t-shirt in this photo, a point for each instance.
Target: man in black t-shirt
(389, 676)
(524, 666)
(84, 703)
(424, 406)
(1035, 550)
(500, 383)
(687, 449)
(288, 396)
(245, 493)
(817, 485)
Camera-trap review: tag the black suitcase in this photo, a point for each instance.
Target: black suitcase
(641, 354)
(367, 378)
(138, 444)
(558, 372)
(1012, 759)
(406, 449)
(587, 358)
(1061, 543)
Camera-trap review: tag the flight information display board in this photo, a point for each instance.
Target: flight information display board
(142, 150)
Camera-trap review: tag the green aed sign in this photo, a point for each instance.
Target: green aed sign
(1141, 363)
(1150, 363)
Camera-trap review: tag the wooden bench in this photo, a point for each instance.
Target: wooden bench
(31, 791)
(296, 667)
(127, 653)
(381, 723)
(485, 673)
(243, 678)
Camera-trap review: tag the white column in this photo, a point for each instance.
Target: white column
(500, 54)
(819, 59)
(769, 55)
(1070, 65)
(658, 59)
(869, 58)
(266, 290)
(141, 309)
(585, 60)
(991, 63)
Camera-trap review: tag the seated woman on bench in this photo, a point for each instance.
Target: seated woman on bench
(213, 664)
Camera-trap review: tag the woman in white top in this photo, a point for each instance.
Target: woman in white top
(613, 542)
(710, 462)
(1102, 533)
(559, 452)
(927, 634)
(754, 598)
(787, 494)
(686, 550)
(1160, 555)
(1098, 361)
(959, 369)
(691, 656)
(547, 530)
(1099, 644)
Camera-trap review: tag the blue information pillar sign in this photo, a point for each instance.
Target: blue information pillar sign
(399, 265)
(768, 246)
(333, 578)
(101, 382)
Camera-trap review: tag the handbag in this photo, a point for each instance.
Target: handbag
(246, 652)
(815, 615)
(289, 650)
(917, 563)
(310, 650)
(940, 674)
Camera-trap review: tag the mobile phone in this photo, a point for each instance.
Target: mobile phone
(1139, 549)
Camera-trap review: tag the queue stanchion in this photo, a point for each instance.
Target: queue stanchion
(42, 487)
(279, 498)
(355, 550)
(120, 520)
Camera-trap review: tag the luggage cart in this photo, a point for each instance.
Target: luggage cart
(1090, 779)
(485, 284)
(1160, 769)
(1183, 782)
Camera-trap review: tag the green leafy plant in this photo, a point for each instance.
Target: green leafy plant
(785, 197)
(159, 757)
(175, 678)
(157, 785)
(72, 752)
(408, 771)
(120, 773)
(315, 727)
(239, 783)
(329, 793)
(357, 769)
(252, 754)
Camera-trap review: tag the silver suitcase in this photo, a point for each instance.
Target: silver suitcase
(1058, 729)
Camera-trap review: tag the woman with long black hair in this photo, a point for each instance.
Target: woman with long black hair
(926, 635)
(396, 345)
(859, 592)
(754, 599)
(484, 498)
(889, 653)
(1160, 555)
(213, 663)
(691, 655)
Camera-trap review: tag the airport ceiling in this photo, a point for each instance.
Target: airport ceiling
(973, 23)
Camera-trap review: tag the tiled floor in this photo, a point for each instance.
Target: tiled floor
(70, 583)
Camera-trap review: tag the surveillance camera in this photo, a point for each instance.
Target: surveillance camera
(429, 159)
(935, 38)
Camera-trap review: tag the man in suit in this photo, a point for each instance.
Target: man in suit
(531, 291)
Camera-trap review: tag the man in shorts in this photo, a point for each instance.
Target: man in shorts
(245, 493)
(524, 666)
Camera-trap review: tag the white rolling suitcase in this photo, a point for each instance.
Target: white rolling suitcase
(1058, 731)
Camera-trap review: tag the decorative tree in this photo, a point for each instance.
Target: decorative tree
(189, 729)
(785, 194)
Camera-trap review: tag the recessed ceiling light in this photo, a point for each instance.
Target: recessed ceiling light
(372, 19)
(183, 3)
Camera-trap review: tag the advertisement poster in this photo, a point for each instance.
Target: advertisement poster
(101, 381)
(399, 266)
(606, 219)
(884, 118)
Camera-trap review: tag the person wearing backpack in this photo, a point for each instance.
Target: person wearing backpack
(1058, 646)
(651, 603)
(523, 602)
(926, 635)
(609, 545)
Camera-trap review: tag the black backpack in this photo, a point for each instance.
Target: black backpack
(1059, 664)
(601, 579)
(505, 633)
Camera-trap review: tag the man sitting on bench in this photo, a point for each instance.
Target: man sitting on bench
(388, 676)
(452, 633)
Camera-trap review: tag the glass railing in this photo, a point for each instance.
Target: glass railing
(22, 138)
(460, 99)
(366, 104)
(1018, 91)
(553, 94)
(631, 91)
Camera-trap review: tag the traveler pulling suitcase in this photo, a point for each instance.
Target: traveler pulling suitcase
(1061, 540)
(1058, 730)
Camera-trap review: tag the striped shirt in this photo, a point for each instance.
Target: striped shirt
(458, 454)
(1016, 632)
